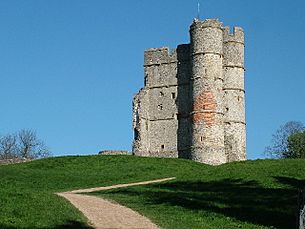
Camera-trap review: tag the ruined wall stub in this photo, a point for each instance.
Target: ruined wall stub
(186, 108)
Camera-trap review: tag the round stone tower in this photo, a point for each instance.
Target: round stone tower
(234, 94)
(207, 92)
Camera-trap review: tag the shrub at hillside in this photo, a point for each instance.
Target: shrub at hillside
(279, 142)
(296, 145)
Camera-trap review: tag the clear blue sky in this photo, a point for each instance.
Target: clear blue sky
(69, 68)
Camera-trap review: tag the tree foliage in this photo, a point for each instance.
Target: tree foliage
(24, 144)
(296, 145)
(279, 143)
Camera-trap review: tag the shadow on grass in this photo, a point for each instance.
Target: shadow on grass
(68, 225)
(72, 225)
(246, 201)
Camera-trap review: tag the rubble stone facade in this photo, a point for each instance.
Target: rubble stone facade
(193, 102)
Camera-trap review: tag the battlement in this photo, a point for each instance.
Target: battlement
(157, 56)
(208, 23)
(237, 35)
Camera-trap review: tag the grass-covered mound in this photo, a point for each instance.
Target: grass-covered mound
(252, 194)
(249, 194)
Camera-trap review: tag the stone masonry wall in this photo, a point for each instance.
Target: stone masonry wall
(14, 161)
(192, 103)
(207, 94)
(167, 89)
(234, 94)
(114, 152)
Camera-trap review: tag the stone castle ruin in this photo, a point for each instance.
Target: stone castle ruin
(193, 102)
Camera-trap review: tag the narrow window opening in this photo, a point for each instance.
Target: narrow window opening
(162, 146)
(173, 95)
(201, 138)
(136, 134)
(227, 109)
(161, 93)
(146, 79)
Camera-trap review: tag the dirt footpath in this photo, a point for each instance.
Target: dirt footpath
(102, 213)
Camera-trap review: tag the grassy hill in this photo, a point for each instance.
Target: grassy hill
(251, 194)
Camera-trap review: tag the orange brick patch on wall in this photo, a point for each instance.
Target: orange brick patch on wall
(204, 108)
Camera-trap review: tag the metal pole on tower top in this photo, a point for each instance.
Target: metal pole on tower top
(198, 10)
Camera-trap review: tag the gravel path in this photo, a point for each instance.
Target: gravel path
(102, 213)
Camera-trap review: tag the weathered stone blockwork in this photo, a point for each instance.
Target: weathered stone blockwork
(192, 104)
(14, 161)
(114, 152)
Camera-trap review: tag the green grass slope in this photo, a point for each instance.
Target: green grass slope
(252, 194)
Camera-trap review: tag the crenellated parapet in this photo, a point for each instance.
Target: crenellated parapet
(237, 36)
(207, 23)
(233, 47)
(157, 56)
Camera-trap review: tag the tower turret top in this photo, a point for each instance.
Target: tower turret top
(237, 35)
(214, 23)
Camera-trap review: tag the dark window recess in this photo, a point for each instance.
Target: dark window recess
(227, 109)
(173, 95)
(161, 93)
(146, 78)
(201, 139)
(160, 107)
(136, 134)
(162, 146)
